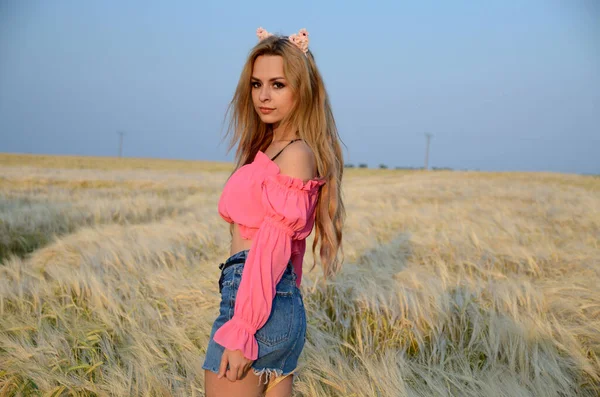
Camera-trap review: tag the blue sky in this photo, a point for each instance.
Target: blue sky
(501, 85)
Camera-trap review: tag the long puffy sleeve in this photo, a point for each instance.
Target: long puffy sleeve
(289, 206)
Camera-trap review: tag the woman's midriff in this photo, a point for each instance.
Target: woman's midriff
(237, 242)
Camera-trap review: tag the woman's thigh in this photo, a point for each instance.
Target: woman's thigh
(280, 387)
(249, 386)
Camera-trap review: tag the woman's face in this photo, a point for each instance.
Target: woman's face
(271, 94)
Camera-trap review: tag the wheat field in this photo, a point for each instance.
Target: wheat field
(453, 284)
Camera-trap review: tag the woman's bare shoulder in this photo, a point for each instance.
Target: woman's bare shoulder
(298, 161)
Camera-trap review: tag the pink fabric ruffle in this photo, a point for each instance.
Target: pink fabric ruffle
(236, 335)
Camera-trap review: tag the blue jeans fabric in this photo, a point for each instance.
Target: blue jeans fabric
(280, 340)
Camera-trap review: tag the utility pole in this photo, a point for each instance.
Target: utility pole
(121, 143)
(428, 136)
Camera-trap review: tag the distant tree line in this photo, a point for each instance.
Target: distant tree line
(385, 167)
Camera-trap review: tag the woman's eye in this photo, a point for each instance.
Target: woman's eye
(278, 85)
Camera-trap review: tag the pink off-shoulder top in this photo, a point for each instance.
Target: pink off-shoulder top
(277, 212)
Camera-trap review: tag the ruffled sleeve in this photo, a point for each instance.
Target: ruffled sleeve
(289, 206)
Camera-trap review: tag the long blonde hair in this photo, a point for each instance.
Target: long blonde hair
(312, 117)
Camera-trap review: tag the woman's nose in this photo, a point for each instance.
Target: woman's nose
(265, 95)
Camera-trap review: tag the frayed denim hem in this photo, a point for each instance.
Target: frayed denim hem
(269, 374)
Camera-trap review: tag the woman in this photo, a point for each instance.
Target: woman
(288, 179)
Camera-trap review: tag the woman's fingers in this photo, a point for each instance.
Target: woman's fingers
(232, 373)
(237, 370)
(223, 366)
(247, 368)
(242, 371)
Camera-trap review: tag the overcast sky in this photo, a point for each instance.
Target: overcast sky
(501, 85)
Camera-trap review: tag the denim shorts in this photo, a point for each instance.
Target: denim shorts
(280, 340)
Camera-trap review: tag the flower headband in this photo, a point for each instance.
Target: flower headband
(300, 39)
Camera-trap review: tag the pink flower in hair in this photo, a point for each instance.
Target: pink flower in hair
(262, 33)
(300, 40)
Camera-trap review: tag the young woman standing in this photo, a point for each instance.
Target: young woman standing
(287, 180)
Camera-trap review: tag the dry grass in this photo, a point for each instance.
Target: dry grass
(110, 163)
(454, 283)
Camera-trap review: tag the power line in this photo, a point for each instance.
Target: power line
(121, 143)
(428, 136)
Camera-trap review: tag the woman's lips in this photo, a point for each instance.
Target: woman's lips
(266, 110)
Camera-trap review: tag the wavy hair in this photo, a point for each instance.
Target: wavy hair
(312, 117)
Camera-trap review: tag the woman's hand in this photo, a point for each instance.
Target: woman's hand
(238, 365)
